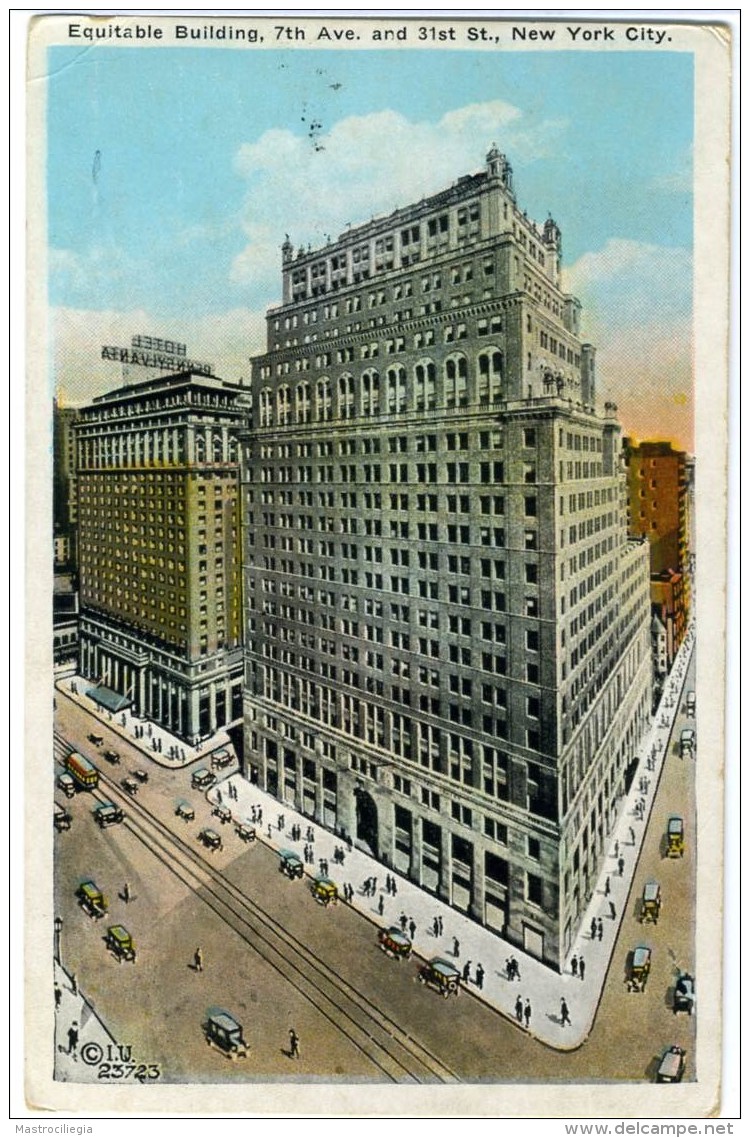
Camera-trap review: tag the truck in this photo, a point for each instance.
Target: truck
(84, 773)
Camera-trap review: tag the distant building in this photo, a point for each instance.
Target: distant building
(448, 652)
(659, 480)
(64, 485)
(159, 545)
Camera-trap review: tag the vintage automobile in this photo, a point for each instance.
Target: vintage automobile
(119, 942)
(107, 814)
(223, 813)
(675, 837)
(324, 891)
(211, 840)
(130, 786)
(640, 966)
(651, 902)
(142, 776)
(245, 831)
(221, 759)
(672, 1066)
(223, 1032)
(441, 974)
(63, 818)
(112, 757)
(684, 994)
(395, 943)
(690, 704)
(202, 778)
(185, 811)
(290, 863)
(687, 741)
(67, 785)
(91, 899)
(97, 740)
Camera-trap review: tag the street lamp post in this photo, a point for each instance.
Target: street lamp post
(58, 931)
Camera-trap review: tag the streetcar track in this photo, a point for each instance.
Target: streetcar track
(209, 890)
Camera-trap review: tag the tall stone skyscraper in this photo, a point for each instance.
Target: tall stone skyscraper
(447, 628)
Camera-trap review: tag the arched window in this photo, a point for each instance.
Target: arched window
(424, 385)
(302, 403)
(323, 408)
(266, 407)
(490, 378)
(396, 389)
(456, 374)
(283, 403)
(370, 393)
(346, 396)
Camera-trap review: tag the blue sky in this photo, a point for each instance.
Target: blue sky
(173, 175)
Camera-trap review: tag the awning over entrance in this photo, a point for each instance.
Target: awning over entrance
(109, 699)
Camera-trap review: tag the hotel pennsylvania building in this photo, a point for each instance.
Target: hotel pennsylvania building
(447, 628)
(159, 546)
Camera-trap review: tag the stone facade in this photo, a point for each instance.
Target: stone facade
(447, 628)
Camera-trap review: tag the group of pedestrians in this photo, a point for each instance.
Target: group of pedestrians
(408, 923)
(523, 1011)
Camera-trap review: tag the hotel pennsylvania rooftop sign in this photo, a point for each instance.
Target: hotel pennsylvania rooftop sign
(148, 351)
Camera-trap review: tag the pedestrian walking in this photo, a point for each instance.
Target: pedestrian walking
(519, 1009)
(617, 849)
(58, 996)
(593, 928)
(293, 1044)
(126, 892)
(218, 797)
(440, 925)
(527, 1013)
(516, 969)
(412, 928)
(381, 904)
(466, 974)
(198, 960)
(73, 1039)
(479, 977)
(564, 1013)
(403, 921)
(574, 966)
(599, 929)
(606, 887)
(260, 815)
(612, 911)
(456, 946)
(582, 968)
(435, 927)
(74, 983)
(620, 866)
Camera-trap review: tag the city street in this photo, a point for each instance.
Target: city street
(278, 961)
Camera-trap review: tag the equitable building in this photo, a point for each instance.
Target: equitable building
(447, 627)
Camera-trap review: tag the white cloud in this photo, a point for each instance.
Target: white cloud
(227, 340)
(629, 282)
(363, 166)
(679, 180)
(637, 311)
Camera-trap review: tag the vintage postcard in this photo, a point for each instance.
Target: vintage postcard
(376, 459)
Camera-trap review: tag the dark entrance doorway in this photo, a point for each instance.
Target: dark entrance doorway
(367, 820)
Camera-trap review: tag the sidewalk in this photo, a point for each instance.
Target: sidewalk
(462, 941)
(158, 744)
(79, 1063)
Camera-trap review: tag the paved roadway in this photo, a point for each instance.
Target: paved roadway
(158, 1004)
